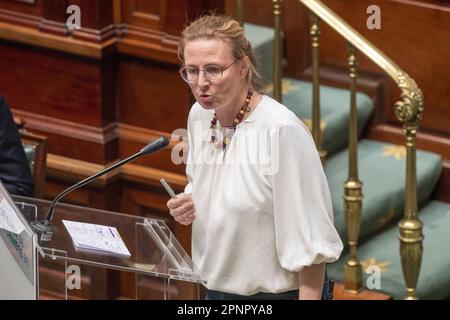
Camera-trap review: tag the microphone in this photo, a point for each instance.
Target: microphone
(45, 229)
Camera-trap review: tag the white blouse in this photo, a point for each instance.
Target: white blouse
(263, 206)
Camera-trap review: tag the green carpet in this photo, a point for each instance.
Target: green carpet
(383, 251)
(382, 172)
(334, 110)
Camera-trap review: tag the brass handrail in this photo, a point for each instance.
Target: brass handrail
(314, 31)
(409, 111)
(240, 12)
(277, 51)
(405, 82)
(352, 36)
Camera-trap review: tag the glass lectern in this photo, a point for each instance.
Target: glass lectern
(32, 269)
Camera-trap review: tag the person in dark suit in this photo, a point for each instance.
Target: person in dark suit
(15, 173)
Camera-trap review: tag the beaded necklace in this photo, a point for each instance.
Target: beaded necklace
(229, 133)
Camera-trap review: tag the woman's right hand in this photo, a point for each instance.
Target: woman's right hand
(182, 208)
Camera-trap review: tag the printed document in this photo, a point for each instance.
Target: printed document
(96, 237)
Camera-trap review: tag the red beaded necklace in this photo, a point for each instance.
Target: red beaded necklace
(227, 138)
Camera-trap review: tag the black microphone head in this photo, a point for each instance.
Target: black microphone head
(156, 145)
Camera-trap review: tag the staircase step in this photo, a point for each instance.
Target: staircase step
(381, 168)
(334, 110)
(340, 293)
(261, 39)
(383, 251)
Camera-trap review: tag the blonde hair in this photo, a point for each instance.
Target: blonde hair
(228, 30)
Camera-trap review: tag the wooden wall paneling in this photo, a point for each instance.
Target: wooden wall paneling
(134, 138)
(73, 98)
(34, 37)
(93, 284)
(97, 23)
(181, 12)
(20, 11)
(98, 197)
(255, 11)
(74, 141)
(151, 96)
(200, 7)
(55, 17)
(96, 38)
(96, 14)
(152, 288)
(149, 14)
(139, 82)
(53, 83)
(54, 186)
(160, 160)
(296, 39)
(147, 202)
(151, 29)
(108, 71)
(144, 29)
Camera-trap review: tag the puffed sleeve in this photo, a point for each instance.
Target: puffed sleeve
(303, 212)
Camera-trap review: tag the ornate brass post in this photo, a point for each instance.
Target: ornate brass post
(240, 11)
(316, 132)
(277, 52)
(409, 111)
(353, 194)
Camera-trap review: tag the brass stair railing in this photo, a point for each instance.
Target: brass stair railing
(240, 12)
(408, 110)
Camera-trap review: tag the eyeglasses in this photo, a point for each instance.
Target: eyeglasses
(212, 72)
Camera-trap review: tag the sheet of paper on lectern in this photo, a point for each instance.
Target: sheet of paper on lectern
(9, 220)
(95, 237)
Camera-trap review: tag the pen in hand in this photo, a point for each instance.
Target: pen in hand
(182, 208)
(168, 188)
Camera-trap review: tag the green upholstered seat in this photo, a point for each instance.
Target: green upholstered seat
(383, 251)
(382, 171)
(30, 152)
(35, 147)
(334, 110)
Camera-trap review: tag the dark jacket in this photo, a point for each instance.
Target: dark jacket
(15, 172)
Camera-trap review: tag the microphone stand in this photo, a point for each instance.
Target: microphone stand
(45, 228)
